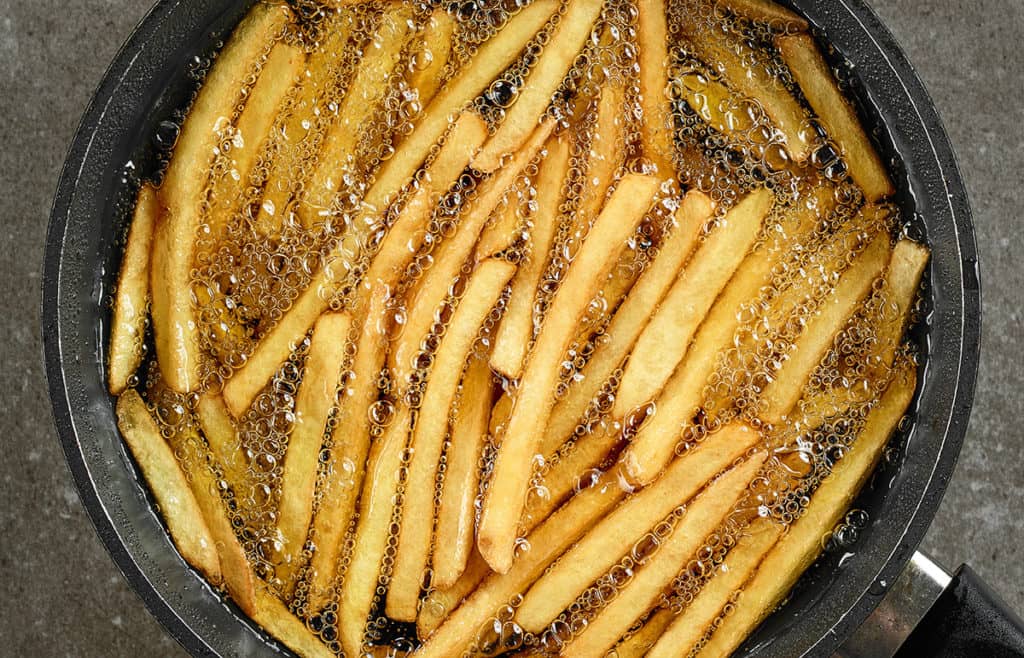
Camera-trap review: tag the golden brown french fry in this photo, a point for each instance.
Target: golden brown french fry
(277, 619)
(499, 414)
(666, 338)
(502, 231)
(637, 644)
(605, 544)
(656, 127)
(430, 59)
(128, 329)
(313, 404)
(802, 543)
(534, 96)
(440, 602)
(837, 116)
(900, 287)
(456, 516)
(175, 326)
(516, 327)
(222, 437)
(431, 428)
(531, 408)
(766, 11)
(703, 514)
(165, 479)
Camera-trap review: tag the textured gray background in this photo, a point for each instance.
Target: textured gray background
(59, 592)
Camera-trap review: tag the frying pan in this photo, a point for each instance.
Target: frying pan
(122, 138)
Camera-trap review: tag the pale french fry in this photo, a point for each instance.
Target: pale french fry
(837, 116)
(622, 278)
(431, 428)
(442, 601)
(516, 327)
(666, 338)
(531, 409)
(165, 479)
(275, 617)
(717, 105)
(431, 57)
(902, 282)
(533, 98)
(766, 11)
(313, 404)
(605, 544)
(128, 328)
(703, 514)
(175, 326)
(801, 545)
(637, 644)
(656, 128)
(222, 437)
(502, 231)
(690, 626)
(456, 516)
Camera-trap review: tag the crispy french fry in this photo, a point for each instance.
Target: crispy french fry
(516, 327)
(128, 328)
(313, 404)
(431, 427)
(175, 326)
(533, 98)
(766, 11)
(165, 479)
(637, 644)
(656, 127)
(837, 116)
(604, 545)
(531, 409)
(277, 619)
(666, 338)
(442, 601)
(703, 514)
(431, 57)
(456, 516)
(503, 230)
(801, 545)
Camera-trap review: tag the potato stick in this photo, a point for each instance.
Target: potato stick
(431, 428)
(531, 409)
(718, 106)
(837, 116)
(502, 231)
(516, 329)
(637, 644)
(275, 617)
(766, 11)
(429, 61)
(456, 516)
(175, 325)
(376, 507)
(222, 437)
(165, 479)
(442, 601)
(365, 93)
(313, 404)
(900, 288)
(451, 254)
(499, 414)
(802, 544)
(601, 548)
(656, 127)
(703, 514)
(631, 318)
(128, 327)
(614, 290)
(666, 338)
(546, 76)
(783, 390)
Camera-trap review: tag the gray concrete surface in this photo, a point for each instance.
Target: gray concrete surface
(59, 592)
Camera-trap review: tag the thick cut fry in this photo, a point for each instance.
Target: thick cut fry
(656, 127)
(502, 231)
(430, 59)
(902, 282)
(431, 428)
(451, 254)
(222, 437)
(766, 11)
(637, 644)
(442, 601)
(795, 552)
(696, 619)
(534, 96)
(531, 408)
(277, 619)
(516, 328)
(167, 482)
(666, 338)
(783, 391)
(456, 516)
(313, 404)
(603, 546)
(128, 329)
(175, 325)
(637, 597)
(837, 116)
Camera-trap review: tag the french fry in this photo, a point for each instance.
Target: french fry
(900, 287)
(499, 414)
(637, 644)
(717, 105)
(766, 11)
(666, 338)
(222, 437)
(128, 328)
(430, 430)
(801, 545)
(533, 98)
(165, 479)
(442, 601)
(516, 327)
(837, 116)
(175, 326)
(313, 404)
(692, 624)
(656, 128)
(503, 230)
(703, 514)
(431, 57)
(456, 516)
(531, 409)
(277, 619)
(604, 545)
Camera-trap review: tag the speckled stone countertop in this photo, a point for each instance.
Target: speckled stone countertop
(60, 594)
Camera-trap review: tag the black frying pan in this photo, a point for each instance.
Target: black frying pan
(119, 142)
